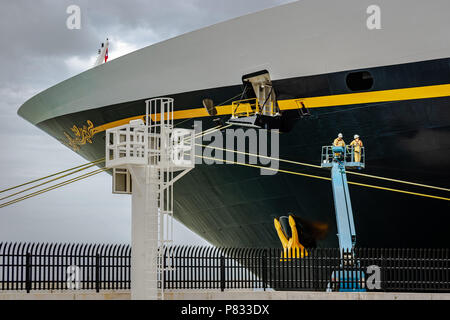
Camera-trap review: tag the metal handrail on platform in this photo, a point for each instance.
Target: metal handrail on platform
(250, 107)
(352, 156)
(245, 108)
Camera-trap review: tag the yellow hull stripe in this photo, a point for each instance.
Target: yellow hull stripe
(316, 102)
(370, 97)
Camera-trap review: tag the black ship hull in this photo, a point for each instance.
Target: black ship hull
(232, 205)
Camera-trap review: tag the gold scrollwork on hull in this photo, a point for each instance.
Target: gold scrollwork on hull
(82, 134)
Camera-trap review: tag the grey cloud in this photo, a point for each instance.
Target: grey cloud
(35, 45)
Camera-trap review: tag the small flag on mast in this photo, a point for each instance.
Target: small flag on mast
(102, 54)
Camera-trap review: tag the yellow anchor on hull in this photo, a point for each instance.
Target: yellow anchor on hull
(292, 248)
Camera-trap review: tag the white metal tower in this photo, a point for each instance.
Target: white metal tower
(147, 158)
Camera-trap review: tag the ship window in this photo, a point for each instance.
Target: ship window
(358, 81)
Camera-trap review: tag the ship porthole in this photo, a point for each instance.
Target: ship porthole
(359, 81)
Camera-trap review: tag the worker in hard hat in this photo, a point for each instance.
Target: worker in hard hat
(357, 147)
(339, 141)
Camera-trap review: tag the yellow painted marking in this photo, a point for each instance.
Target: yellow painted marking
(370, 97)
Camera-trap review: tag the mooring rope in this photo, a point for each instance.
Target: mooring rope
(64, 183)
(319, 167)
(324, 178)
(203, 133)
(54, 174)
(46, 182)
(59, 185)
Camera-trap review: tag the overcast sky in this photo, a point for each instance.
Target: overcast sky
(38, 51)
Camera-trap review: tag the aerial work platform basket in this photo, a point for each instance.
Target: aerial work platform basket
(352, 157)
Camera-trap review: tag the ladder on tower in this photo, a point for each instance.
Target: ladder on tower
(147, 158)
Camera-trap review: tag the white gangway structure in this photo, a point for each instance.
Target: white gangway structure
(147, 158)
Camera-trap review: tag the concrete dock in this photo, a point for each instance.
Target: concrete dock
(226, 295)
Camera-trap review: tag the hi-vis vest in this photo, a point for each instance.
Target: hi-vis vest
(339, 143)
(357, 144)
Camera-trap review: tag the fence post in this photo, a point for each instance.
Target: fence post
(264, 269)
(384, 272)
(222, 273)
(28, 272)
(97, 272)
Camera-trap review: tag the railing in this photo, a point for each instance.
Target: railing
(250, 107)
(245, 108)
(403, 270)
(107, 267)
(349, 154)
(29, 266)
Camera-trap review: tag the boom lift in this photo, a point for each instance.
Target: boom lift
(338, 159)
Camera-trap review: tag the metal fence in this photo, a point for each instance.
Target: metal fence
(31, 266)
(107, 267)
